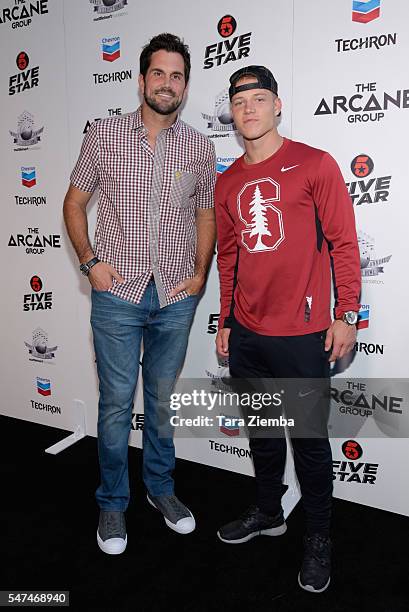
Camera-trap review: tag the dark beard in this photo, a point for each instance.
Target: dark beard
(168, 110)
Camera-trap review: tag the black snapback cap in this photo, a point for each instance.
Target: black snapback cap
(265, 80)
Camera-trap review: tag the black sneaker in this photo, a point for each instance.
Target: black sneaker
(176, 515)
(111, 533)
(315, 573)
(252, 523)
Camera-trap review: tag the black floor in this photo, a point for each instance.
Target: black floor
(48, 528)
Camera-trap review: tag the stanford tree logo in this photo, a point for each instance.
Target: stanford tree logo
(263, 221)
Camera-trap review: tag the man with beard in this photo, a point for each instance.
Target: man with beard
(154, 240)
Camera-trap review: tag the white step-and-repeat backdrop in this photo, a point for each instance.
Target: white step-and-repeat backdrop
(343, 81)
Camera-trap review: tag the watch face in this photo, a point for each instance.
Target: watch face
(351, 317)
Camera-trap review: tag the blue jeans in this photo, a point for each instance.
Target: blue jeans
(119, 327)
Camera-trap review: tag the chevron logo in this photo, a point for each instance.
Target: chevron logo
(28, 177)
(111, 49)
(364, 11)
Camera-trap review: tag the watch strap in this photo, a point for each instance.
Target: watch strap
(86, 267)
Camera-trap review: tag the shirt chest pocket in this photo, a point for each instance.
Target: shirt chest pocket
(182, 189)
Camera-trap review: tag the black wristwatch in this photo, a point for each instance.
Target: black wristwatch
(86, 267)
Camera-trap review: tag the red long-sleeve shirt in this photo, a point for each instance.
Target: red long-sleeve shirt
(277, 223)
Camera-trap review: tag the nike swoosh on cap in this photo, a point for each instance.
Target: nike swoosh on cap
(284, 169)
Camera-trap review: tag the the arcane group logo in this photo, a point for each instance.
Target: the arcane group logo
(37, 300)
(105, 9)
(221, 122)
(28, 176)
(35, 243)
(227, 26)
(21, 13)
(367, 190)
(39, 349)
(26, 135)
(111, 112)
(264, 229)
(364, 105)
(111, 48)
(363, 317)
(26, 79)
(43, 386)
(228, 49)
(353, 398)
(371, 265)
(364, 11)
(352, 450)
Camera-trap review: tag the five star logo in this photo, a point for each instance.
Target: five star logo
(362, 165)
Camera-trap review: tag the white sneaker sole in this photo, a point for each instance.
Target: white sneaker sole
(310, 589)
(113, 546)
(183, 526)
(273, 531)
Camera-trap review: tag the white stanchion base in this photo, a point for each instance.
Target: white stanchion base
(79, 432)
(290, 500)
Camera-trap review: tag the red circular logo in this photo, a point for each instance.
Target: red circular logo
(352, 450)
(22, 60)
(362, 165)
(36, 283)
(227, 26)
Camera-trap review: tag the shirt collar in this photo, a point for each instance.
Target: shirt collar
(137, 123)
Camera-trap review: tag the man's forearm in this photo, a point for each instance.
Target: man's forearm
(76, 222)
(206, 240)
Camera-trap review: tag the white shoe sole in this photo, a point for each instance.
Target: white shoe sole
(183, 526)
(113, 546)
(273, 531)
(310, 589)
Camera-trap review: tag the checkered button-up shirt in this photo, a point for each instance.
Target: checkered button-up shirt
(147, 200)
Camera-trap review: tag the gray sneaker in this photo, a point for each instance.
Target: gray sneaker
(111, 533)
(176, 515)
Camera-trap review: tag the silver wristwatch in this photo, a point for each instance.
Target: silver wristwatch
(350, 317)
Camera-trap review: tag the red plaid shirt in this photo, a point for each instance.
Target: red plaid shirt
(147, 200)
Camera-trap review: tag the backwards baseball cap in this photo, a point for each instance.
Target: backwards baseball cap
(265, 80)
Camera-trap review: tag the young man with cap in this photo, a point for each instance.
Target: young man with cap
(283, 213)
